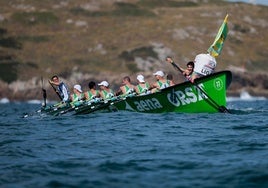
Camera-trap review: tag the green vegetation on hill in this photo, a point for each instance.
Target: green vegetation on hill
(34, 18)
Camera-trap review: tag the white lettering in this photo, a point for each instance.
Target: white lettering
(187, 96)
(148, 104)
(144, 105)
(201, 94)
(182, 98)
(189, 93)
(173, 98)
(156, 103)
(138, 106)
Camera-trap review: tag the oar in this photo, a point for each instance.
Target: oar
(56, 91)
(44, 93)
(222, 109)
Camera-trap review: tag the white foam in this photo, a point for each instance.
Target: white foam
(4, 100)
(245, 96)
(34, 101)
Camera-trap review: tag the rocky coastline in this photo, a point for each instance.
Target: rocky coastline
(83, 41)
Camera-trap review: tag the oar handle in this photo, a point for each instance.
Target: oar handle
(44, 97)
(170, 60)
(44, 93)
(56, 91)
(177, 67)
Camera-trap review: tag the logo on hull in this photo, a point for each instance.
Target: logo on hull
(148, 104)
(180, 98)
(177, 98)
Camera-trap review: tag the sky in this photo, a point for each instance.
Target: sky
(260, 2)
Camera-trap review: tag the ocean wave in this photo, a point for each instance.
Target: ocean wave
(35, 101)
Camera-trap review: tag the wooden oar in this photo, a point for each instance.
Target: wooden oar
(222, 109)
(44, 93)
(56, 91)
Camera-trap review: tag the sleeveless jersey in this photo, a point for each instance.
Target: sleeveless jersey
(107, 95)
(143, 89)
(91, 95)
(77, 99)
(128, 90)
(163, 85)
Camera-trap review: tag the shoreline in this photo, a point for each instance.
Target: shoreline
(255, 84)
(230, 94)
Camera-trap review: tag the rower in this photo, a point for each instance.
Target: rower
(93, 93)
(106, 92)
(127, 88)
(78, 96)
(161, 82)
(143, 87)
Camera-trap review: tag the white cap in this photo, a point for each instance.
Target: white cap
(159, 73)
(78, 87)
(140, 78)
(104, 83)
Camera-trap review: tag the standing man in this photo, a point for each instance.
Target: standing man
(61, 88)
(205, 64)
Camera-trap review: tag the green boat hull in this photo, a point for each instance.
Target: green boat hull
(184, 98)
(206, 95)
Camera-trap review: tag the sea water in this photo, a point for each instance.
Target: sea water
(128, 149)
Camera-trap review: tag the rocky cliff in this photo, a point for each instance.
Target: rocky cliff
(100, 39)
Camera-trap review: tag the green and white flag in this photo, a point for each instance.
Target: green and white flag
(216, 48)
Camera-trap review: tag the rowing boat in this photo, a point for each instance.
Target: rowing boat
(206, 95)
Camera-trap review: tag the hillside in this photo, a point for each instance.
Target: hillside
(85, 40)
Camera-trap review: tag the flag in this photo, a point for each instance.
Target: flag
(215, 49)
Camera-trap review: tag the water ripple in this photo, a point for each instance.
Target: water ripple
(124, 149)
